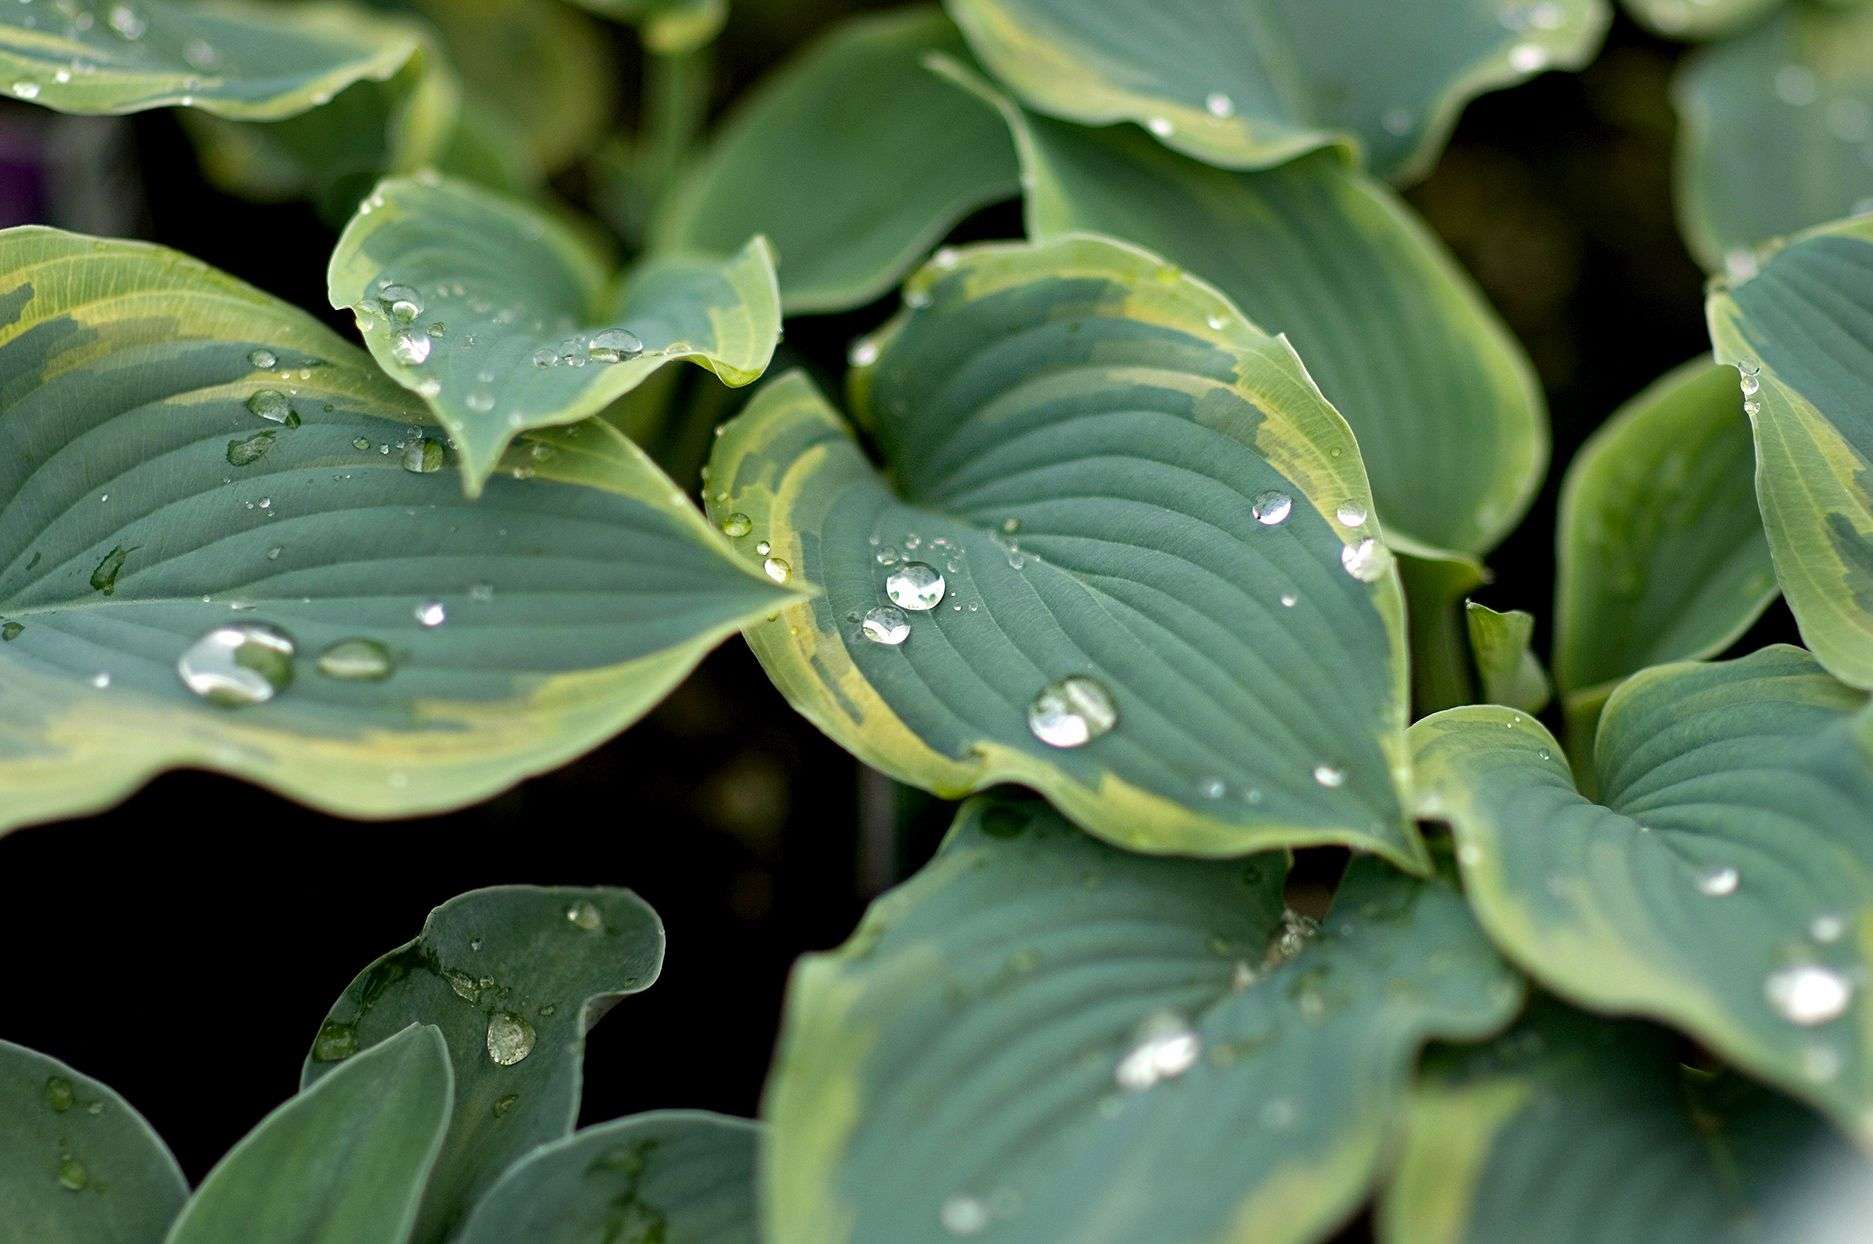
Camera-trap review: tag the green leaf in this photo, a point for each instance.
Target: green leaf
(146, 501)
(668, 27)
(1074, 447)
(1043, 1038)
(1567, 1121)
(1723, 884)
(1445, 405)
(1699, 19)
(514, 977)
(242, 61)
(1502, 644)
(1436, 584)
(1803, 331)
(853, 158)
(676, 1175)
(1661, 549)
(503, 319)
(78, 1165)
(1774, 132)
(1255, 83)
(342, 1163)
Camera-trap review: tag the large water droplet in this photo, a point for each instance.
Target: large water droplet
(1272, 507)
(737, 525)
(1164, 1047)
(916, 586)
(422, 456)
(273, 406)
(614, 345)
(1366, 560)
(1350, 513)
(1808, 993)
(239, 665)
(1072, 712)
(411, 348)
(510, 1038)
(777, 569)
(250, 449)
(356, 660)
(585, 915)
(886, 624)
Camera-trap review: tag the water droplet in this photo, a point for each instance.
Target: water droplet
(250, 449)
(72, 1174)
(1271, 508)
(273, 406)
(10, 630)
(1808, 994)
(1398, 121)
(510, 1038)
(1751, 384)
(916, 586)
(58, 1094)
(1528, 58)
(236, 666)
(886, 624)
(545, 356)
(423, 456)
(737, 525)
(1350, 513)
(1289, 600)
(432, 613)
(1161, 126)
(763, 548)
(263, 358)
(480, 401)
(356, 660)
(585, 915)
(963, 1214)
(1072, 712)
(1219, 105)
(26, 88)
(127, 22)
(335, 1043)
(1164, 1047)
(402, 303)
(411, 348)
(776, 568)
(1329, 776)
(1718, 882)
(1367, 560)
(614, 345)
(101, 680)
(1212, 788)
(863, 354)
(1827, 928)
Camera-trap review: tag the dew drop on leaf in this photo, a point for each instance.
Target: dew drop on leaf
(614, 345)
(1808, 994)
(1072, 712)
(240, 665)
(916, 586)
(737, 525)
(1271, 508)
(273, 406)
(356, 660)
(1164, 1047)
(432, 613)
(887, 625)
(584, 914)
(423, 456)
(510, 1039)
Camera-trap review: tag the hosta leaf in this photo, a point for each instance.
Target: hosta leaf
(342, 1163)
(1082, 457)
(503, 319)
(853, 158)
(244, 61)
(1437, 582)
(1506, 665)
(1802, 330)
(513, 977)
(1449, 418)
(676, 1175)
(1661, 549)
(1723, 884)
(1699, 19)
(147, 499)
(1252, 83)
(669, 27)
(1042, 1038)
(1776, 127)
(78, 1165)
(1569, 1128)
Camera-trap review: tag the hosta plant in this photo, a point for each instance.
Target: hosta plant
(1132, 476)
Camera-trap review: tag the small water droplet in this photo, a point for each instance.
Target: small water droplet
(863, 354)
(1289, 600)
(585, 915)
(737, 525)
(1398, 121)
(432, 613)
(356, 660)
(1219, 105)
(510, 1038)
(1329, 776)
(545, 356)
(237, 666)
(400, 302)
(250, 449)
(1072, 712)
(423, 456)
(1808, 994)
(1528, 58)
(58, 1094)
(917, 586)
(411, 348)
(26, 88)
(1350, 513)
(11, 630)
(887, 625)
(264, 359)
(1718, 882)
(963, 1214)
(72, 1174)
(777, 569)
(1366, 560)
(1161, 126)
(335, 1043)
(1272, 507)
(1164, 1047)
(1827, 928)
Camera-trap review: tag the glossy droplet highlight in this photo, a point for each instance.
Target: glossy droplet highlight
(273, 406)
(237, 666)
(887, 625)
(510, 1039)
(1271, 508)
(248, 450)
(1072, 712)
(411, 348)
(735, 526)
(1350, 513)
(356, 660)
(1808, 994)
(264, 359)
(401, 303)
(584, 914)
(59, 1094)
(1718, 882)
(614, 345)
(1329, 776)
(1164, 1047)
(423, 456)
(777, 569)
(1366, 560)
(916, 586)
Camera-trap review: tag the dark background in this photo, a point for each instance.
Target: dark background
(184, 947)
